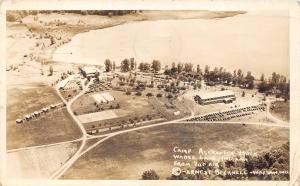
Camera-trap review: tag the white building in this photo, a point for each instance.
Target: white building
(90, 71)
(225, 96)
(103, 97)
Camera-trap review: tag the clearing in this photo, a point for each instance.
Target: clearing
(126, 156)
(57, 124)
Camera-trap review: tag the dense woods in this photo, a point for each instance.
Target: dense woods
(276, 160)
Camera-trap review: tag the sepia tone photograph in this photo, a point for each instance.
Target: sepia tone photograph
(148, 95)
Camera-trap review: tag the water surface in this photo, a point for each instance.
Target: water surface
(256, 41)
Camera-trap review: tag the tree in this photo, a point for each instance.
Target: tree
(141, 67)
(234, 78)
(198, 69)
(188, 67)
(132, 63)
(159, 95)
(125, 65)
(114, 66)
(144, 67)
(263, 87)
(135, 65)
(147, 67)
(250, 80)
(52, 41)
(206, 71)
(240, 76)
(138, 94)
(108, 65)
(150, 175)
(51, 70)
(173, 69)
(262, 77)
(156, 66)
(179, 67)
(149, 94)
(97, 74)
(169, 96)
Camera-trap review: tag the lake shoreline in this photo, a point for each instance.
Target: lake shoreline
(240, 43)
(40, 29)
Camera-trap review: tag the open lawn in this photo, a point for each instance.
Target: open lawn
(281, 110)
(57, 124)
(97, 116)
(129, 104)
(128, 155)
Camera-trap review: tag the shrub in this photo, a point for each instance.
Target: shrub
(150, 175)
(243, 94)
(169, 96)
(149, 94)
(128, 93)
(159, 95)
(138, 94)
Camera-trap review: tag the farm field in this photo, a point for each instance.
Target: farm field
(39, 163)
(57, 124)
(137, 151)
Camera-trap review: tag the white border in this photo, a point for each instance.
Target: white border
(290, 5)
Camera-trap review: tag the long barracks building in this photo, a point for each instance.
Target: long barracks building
(225, 96)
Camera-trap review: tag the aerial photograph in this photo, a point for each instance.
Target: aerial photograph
(147, 95)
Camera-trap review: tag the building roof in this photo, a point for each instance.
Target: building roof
(103, 97)
(89, 70)
(216, 94)
(64, 82)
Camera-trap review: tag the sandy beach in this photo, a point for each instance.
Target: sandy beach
(32, 41)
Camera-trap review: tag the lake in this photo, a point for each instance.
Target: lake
(255, 41)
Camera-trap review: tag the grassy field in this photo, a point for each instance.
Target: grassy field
(281, 110)
(39, 163)
(126, 156)
(130, 105)
(56, 125)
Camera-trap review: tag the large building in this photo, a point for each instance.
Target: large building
(225, 96)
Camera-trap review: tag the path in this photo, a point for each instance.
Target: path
(86, 137)
(84, 134)
(272, 117)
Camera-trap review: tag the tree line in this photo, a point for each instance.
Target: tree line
(277, 159)
(131, 64)
(17, 15)
(276, 84)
